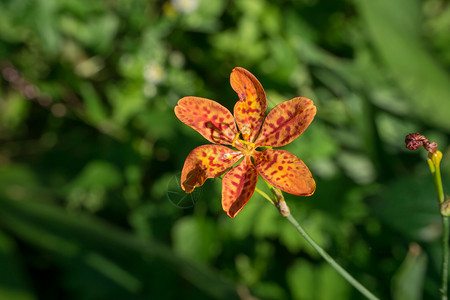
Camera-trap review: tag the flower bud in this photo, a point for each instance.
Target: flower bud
(430, 147)
(414, 140)
(435, 157)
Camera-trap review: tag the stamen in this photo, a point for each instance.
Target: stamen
(235, 139)
(252, 145)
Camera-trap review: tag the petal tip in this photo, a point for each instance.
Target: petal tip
(309, 189)
(312, 190)
(187, 188)
(235, 69)
(231, 215)
(232, 211)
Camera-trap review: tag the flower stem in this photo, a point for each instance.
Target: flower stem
(434, 160)
(445, 249)
(264, 195)
(276, 200)
(331, 261)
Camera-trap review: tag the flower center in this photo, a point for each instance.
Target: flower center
(245, 146)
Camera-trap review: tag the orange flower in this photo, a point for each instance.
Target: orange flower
(246, 131)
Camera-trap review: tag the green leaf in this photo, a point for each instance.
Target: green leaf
(13, 281)
(14, 110)
(307, 281)
(42, 225)
(90, 187)
(409, 205)
(194, 238)
(94, 107)
(336, 286)
(407, 283)
(301, 281)
(394, 27)
(99, 173)
(46, 13)
(97, 32)
(127, 101)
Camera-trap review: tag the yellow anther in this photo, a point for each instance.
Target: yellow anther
(252, 145)
(235, 139)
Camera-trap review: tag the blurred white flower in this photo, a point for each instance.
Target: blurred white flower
(154, 73)
(185, 6)
(149, 90)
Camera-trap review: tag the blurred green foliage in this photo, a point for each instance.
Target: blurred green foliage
(91, 152)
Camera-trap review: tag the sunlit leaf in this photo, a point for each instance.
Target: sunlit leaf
(397, 38)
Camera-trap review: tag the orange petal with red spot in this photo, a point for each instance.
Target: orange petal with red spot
(286, 122)
(285, 171)
(212, 120)
(250, 110)
(208, 161)
(238, 186)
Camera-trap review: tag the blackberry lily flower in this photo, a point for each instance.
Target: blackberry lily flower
(246, 131)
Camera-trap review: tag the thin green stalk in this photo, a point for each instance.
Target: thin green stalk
(435, 169)
(445, 249)
(322, 252)
(434, 164)
(331, 261)
(264, 195)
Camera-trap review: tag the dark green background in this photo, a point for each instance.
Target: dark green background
(91, 151)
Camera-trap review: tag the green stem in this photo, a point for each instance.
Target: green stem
(435, 170)
(445, 233)
(437, 180)
(264, 195)
(322, 252)
(331, 261)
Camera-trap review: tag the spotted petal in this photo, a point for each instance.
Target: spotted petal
(250, 110)
(238, 186)
(212, 120)
(208, 161)
(286, 122)
(285, 171)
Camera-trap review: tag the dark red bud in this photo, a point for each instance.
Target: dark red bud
(431, 147)
(415, 140)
